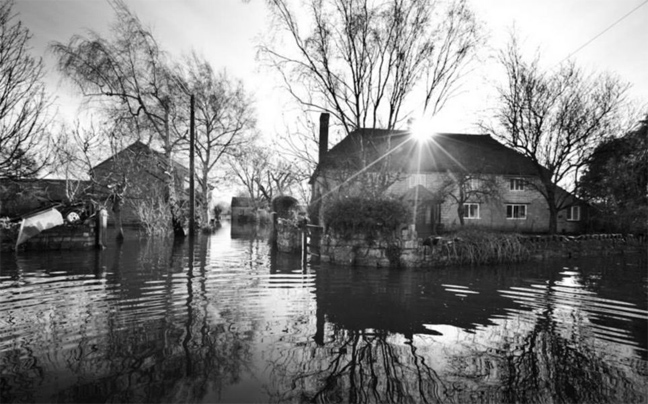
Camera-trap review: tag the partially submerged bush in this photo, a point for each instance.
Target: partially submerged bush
(285, 206)
(373, 217)
(155, 216)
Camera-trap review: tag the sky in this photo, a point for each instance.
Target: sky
(226, 32)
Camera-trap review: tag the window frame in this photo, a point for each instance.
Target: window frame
(517, 184)
(473, 184)
(416, 179)
(570, 213)
(467, 210)
(513, 206)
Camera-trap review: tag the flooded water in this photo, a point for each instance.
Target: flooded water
(226, 320)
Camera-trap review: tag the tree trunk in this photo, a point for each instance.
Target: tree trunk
(553, 208)
(553, 219)
(460, 213)
(176, 213)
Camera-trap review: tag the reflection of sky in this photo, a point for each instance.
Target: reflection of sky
(276, 307)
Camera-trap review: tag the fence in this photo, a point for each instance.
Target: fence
(311, 238)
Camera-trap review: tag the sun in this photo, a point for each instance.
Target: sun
(421, 129)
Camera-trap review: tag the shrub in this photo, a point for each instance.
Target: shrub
(284, 206)
(373, 217)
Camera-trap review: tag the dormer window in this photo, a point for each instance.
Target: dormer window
(416, 179)
(517, 184)
(473, 184)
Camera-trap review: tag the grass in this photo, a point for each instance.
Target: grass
(474, 246)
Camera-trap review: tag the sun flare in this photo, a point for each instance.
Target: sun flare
(421, 129)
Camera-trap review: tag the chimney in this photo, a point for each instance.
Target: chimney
(323, 136)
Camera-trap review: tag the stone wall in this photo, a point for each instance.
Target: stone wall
(358, 251)
(584, 245)
(289, 236)
(409, 251)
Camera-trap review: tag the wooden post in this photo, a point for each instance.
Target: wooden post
(304, 228)
(192, 169)
(101, 225)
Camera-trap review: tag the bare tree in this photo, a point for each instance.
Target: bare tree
(556, 119)
(130, 74)
(263, 175)
(361, 60)
(76, 150)
(23, 102)
(464, 188)
(298, 146)
(225, 117)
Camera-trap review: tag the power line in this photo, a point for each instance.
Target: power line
(604, 31)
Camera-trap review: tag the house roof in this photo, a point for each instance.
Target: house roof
(138, 148)
(399, 151)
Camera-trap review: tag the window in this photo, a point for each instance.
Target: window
(517, 184)
(516, 212)
(416, 179)
(573, 213)
(471, 211)
(473, 184)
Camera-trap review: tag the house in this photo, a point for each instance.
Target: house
(143, 172)
(447, 179)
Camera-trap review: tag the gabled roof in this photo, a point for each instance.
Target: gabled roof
(441, 152)
(139, 149)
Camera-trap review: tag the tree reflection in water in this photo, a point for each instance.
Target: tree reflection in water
(554, 366)
(381, 337)
(117, 349)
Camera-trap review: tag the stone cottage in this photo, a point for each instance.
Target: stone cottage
(446, 178)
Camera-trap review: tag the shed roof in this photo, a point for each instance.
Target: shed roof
(399, 151)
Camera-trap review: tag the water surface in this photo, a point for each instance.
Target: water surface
(227, 320)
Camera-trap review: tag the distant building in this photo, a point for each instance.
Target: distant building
(145, 173)
(242, 208)
(417, 171)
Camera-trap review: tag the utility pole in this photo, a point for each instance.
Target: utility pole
(192, 169)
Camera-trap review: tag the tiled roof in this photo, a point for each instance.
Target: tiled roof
(441, 152)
